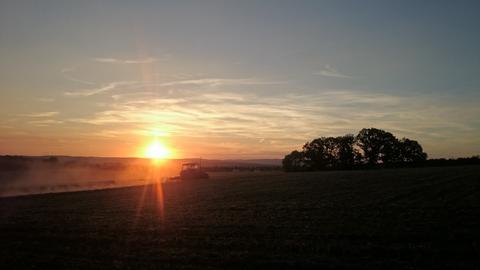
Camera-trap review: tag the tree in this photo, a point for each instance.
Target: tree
(346, 152)
(374, 147)
(317, 153)
(295, 161)
(411, 151)
(313, 156)
(330, 152)
(378, 146)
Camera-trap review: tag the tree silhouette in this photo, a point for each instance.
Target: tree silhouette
(411, 151)
(330, 152)
(378, 146)
(372, 147)
(317, 154)
(294, 161)
(346, 152)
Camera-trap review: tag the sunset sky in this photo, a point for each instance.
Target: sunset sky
(236, 79)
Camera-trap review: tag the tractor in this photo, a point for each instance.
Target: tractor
(192, 171)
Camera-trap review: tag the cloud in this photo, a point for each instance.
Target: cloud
(248, 122)
(40, 114)
(213, 82)
(236, 114)
(45, 122)
(45, 99)
(104, 88)
(212, 112)
(204, 82)
(125, 61)
(225, 97)
(329, 71)
(67, 74)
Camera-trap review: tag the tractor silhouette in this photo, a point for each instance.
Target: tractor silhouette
(192, 171)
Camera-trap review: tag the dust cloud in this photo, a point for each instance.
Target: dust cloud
(35, 175)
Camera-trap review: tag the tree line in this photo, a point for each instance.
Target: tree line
(371, 147)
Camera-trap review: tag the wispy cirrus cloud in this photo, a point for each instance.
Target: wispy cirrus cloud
(40, 114)
(68, 74)
(45, 122)
(329, 71)
(275, 123)
(45, 99)
(148, 60)
(221, 81)
(201, 82)
(101, 89)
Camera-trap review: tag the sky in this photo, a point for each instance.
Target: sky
(236, 79)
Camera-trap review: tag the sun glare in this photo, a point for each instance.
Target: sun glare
(156, 150)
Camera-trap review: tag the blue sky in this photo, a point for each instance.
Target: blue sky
(236, 79)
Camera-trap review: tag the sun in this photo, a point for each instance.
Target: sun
(156, 150)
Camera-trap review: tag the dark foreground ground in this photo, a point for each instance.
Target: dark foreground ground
(427, 218)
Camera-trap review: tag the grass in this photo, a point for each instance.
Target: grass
(424, 218)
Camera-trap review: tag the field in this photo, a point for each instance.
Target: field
(423, 218)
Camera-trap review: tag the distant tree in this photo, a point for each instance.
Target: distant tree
(330, 152)
(346, 155)
(373, 147)
(295, 161)
(378, 146)
(411, 151)
(318, 153)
